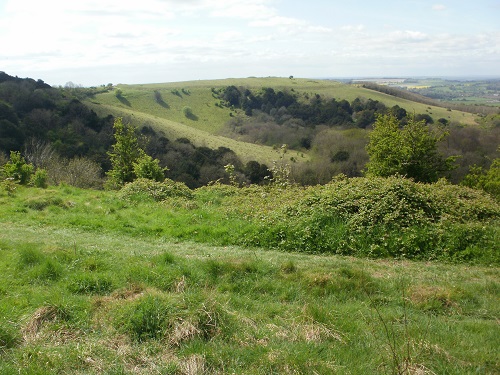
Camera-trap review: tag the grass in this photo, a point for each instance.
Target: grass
(93, 283)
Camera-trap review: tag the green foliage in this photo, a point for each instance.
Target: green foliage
(410, 151)
(281, 170)
(488, 181)
(17, 168)
(40, 178)
(149, 168)
(125, 153)
(376, 217)
(188, 111)
(128, 160)
(159, 191)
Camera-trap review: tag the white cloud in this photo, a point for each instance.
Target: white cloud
(438, 7)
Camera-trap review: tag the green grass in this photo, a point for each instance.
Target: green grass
(231, 310)
(95, 282)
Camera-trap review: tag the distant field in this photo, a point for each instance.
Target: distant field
(138, 102)
(462, 92)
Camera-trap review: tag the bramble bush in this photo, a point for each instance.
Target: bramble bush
(376, 217)
(156, 190)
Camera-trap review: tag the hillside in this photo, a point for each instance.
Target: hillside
(138, 103)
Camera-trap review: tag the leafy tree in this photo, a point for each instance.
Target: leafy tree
(488, 180)
(128, 160)
(410, 151)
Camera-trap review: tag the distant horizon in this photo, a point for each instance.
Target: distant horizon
(340, 78)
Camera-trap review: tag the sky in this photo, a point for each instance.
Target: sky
(96, 42)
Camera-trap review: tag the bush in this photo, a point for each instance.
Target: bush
(18, 169)
(40, 179)
(83, 173)
(188, 112)
(149, 168)
(158, 191)
(376, 217)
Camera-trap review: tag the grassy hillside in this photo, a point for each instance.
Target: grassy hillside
(138, 102)
(96, 282)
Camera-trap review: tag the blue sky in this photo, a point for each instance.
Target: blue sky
(93, 42)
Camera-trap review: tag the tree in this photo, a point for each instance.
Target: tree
(128, 160)
(384, 148)
(410, 151)
(125, 153)
(487, 180)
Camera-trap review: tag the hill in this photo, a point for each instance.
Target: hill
(197, 128)
(139, 102)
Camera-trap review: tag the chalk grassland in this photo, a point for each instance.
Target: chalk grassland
(92, 283)
(138, 103)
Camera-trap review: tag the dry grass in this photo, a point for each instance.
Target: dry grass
(193, 365)
(41, 316)
(183, 331)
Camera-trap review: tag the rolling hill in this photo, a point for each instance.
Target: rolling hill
(140, 104)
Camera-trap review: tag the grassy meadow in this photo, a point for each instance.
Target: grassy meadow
(138, 104)
(158, 279)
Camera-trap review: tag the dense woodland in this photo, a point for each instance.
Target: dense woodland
(55, 130)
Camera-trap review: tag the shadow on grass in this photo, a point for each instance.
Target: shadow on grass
(192, 116)
(163, 103)
(123, 101)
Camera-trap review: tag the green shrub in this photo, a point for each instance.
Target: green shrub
(18, 169)
(39, 179)
(376, 217)
(149, 168)
(158, 191)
